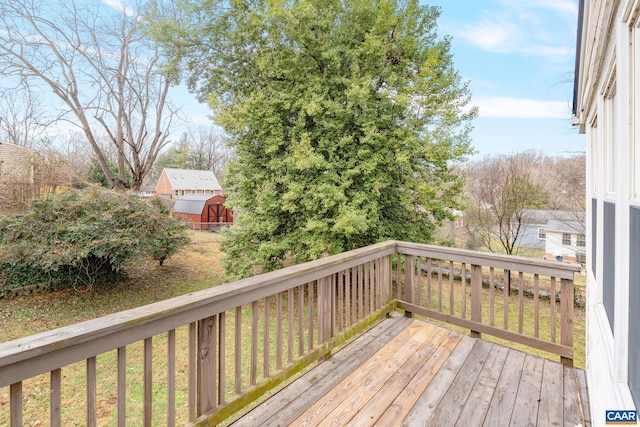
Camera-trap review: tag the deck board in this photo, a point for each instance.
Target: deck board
(504, 395)
(413, 373)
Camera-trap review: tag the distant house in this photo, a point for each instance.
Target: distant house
(202, 212)
(565, 240)
(174, 183)
(16, 163)
(559, 233)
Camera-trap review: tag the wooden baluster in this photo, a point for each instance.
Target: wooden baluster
(207, 353)
(429, 280)
(451, 292)
(56, 397)
(311, 322)
(325, 330)
(440, 285)
(552, 301)
(253, 370)
(279, 331)
(300, 320)
(520, 301)
(193, 371)
(265, 338)
(506, 289)
(15, 393)
(148, 381)
(536, 305)
(476, 297)
(238, 351)
(171, 378)
(290, 309)
(92, 399)
(122, 386)
(463, 282)
(566, 317)
(409, 278)
(492, 286)
(222, 365)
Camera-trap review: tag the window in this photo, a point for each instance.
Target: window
(610, 134)
(542, 233)
(581, 241)
(566, 239)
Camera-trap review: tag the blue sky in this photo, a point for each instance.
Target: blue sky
(518, 56)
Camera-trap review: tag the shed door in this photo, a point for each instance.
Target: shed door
(217, 213)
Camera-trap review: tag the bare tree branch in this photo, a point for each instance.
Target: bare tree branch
(96, 60)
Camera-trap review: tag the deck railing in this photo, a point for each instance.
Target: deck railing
(476, 290)
(200, 357)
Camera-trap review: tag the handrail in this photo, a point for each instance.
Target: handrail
(322, 303)
(85, 338)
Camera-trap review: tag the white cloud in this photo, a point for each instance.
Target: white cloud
(521, 108)
(529, 27)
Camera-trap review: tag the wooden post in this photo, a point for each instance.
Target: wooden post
(207, 352)
(325, 310)
(566, 317)
(409, 279)
(476, 297)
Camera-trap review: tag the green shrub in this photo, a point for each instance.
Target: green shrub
(83, 238)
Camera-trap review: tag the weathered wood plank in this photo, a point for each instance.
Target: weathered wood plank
(407, 398)
(480, 397)
(341, 403)
(571, 409)
(288, 403)
(459, 391)
(504, 396)
(433, 395)
(550, 413)
(380, 401)
(525, 411)
(584, 396)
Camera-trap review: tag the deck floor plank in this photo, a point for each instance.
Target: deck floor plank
(584, 396)
(286, 405)
(571, 410)
(434, 393)
(341, 404)
(525, 412)
(480, 397)
(550, 412)
(414, 373)
(407, 398)
(384, 397)
(456, 397)
(504, 396)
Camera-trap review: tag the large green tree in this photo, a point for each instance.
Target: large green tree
(346, 117)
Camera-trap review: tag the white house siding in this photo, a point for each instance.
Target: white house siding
(607, 109)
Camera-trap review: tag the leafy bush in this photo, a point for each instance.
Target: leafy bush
(84, 237)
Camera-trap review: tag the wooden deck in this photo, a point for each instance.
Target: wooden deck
(413, 373)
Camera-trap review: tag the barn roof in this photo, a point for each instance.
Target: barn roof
(189, 179)
(192, 203)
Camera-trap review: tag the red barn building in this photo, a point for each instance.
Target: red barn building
(202, 211)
